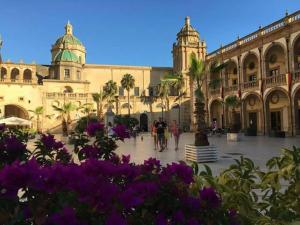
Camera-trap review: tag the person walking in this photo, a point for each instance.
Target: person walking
(176, 133)
(161, 126)
(166, 135)
(154, 134)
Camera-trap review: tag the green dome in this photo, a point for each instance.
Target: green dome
(66, 56)
(68, 39)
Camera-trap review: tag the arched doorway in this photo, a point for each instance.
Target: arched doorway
(253, 112)
(175, 113)
(277, 112)
(144, 122)
(16, 111)
(297, 56)
(216, 112)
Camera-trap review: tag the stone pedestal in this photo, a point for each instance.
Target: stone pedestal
(201, 154)
(233, 137)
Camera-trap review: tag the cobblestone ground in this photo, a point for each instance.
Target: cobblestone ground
(259, 149)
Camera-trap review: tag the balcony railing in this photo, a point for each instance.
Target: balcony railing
(214, 91)
(17, 81)
(296, 76)
(275, 80)
(75, 96)
(250, 84)
(232, 88)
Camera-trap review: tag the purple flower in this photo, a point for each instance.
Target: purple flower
(193, 221)
(94, 127)
(178, 217)
(126, 159)
(180, 170)
(90, 151)
(161, 219)
(152, 165)
(65, 216)
(121, 131)
(50, 143)
(209, 198)
(115, 219)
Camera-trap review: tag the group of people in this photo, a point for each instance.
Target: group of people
(161, 132)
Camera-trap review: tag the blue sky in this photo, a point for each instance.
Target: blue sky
(128, 32)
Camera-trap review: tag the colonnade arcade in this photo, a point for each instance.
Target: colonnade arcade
(267, 81)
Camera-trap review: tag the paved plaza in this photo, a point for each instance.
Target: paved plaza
(259, 149)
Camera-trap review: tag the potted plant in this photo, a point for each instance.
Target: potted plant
(201, 150)
(232, 102)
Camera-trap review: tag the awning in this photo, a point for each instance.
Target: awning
(15, 121)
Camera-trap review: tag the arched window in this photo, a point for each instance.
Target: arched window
(3, 73)
(27, 75)
(14, 74)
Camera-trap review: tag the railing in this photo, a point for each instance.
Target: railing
(57, 95)
(250, 84)
(231, 88)
(260, 32)
(275, 80)
(17, 81)
(296, 76)
(214, 91)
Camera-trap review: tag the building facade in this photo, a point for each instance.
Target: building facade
(262, 69)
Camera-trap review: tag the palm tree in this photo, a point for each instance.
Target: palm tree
(109, 91)
(148, 100)
(164, 93)
(38, 112)
(233, 102)
(99, 98)
(127, 83)
(65, 114)
(170, 80)
(197, 73)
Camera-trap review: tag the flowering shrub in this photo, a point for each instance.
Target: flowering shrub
(46, 187)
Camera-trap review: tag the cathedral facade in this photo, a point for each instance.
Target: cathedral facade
(262, 69)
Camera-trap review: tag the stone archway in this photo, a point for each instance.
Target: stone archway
(275, 60)
(3, 73)
(16, 111)
(278, 111)
(27, 75)
(216, 112)
(144, 122)
(253, 112)
(250, 68)
(15, 74)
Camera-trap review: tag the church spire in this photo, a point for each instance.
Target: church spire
(69, 28)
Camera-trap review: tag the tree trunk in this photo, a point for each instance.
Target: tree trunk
(98, 110)
(192, 103)
(200, 135)
(64, 126)
(151, 112)
(128, 97)
(38, 127)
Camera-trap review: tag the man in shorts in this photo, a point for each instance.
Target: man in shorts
(161, 126)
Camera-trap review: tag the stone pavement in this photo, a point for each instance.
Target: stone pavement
(259, 149)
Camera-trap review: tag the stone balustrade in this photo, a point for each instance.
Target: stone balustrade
(232, 88)
(17, 81)
(275, 80)
(250, 85)
(74, 96)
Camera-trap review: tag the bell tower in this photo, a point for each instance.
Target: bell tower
(187, 43)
